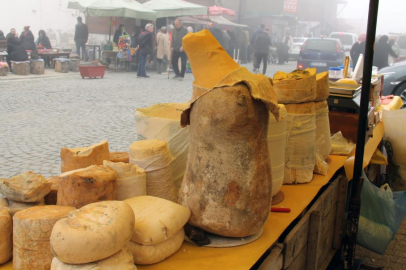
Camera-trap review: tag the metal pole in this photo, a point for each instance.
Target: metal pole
(355, 201)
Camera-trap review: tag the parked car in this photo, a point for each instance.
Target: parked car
(346, 39)
(394, 82)
(321, 53)
(297, 44)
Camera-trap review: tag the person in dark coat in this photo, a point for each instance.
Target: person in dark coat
(382, 51)
(12, 34)
(357, 49)
(2, 37)
(16, 51)
(81, 37)
(27, 38)
(177, 50)
(145, 42)
(119, 32)
(261, 46)
(43, 40)
(216, 32)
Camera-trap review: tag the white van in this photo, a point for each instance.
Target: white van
(347, 39)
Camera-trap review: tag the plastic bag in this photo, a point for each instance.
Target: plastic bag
(340, 145)
(162, 122)
(382, 212)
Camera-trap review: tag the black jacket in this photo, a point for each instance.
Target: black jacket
(44, 41)
(81, 32)
(381, 55)
(16, 50)
(27, 39)
(177, 37)
(2, 37)
(117, 35)
(218, 34)
(146, 42)
(262, 43)
(356, 50)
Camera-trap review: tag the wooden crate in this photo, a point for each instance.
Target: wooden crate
(312, 243)
(21, 68)
(74, 65)
(3, 71)
(37, 67)
(62, 67)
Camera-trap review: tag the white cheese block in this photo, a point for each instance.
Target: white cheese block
(26, 187)
(156, 219)
(131, 179)
(83, 186)
(82, 157)
(6, 236)
(323, 134)
(93, 232)
(122, 260)
(156, 253)
(31, 232)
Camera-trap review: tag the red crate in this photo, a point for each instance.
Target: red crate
(92, 71)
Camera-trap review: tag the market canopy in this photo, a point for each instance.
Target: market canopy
(113, 8)
(175, 8)
(203, 20)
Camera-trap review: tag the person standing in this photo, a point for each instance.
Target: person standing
(27, 39)
(163, 49)
(81, 37)
(177, 50)
(226, 42)
(12, 34)
(357, 49)
(216, 32)
(262, 45)
(287, 47)
(2, 37)
(43, 40)
(382, 51)
(119, 32)
(145, 42)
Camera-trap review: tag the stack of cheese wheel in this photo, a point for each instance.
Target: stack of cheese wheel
(304, 93)
(131, 179)
(155, 158)
(23, 191)
(276, 147)
(83, 186)
(158, 229)
(6, 236)
(94, 237)
(82, 157)
(31, 235)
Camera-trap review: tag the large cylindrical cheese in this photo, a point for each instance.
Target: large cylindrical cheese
(81, 187)
(155, 158)
(93, 232)
(156, 253)
(227, 184)
(276, 148)
(156, 219)
(122, 260)
(6, 236)
(31, 233)
(27, 187)
(322, 86)
(131, 180)
(323, 135)
(51, 197)
(82, 157)
(300, 154)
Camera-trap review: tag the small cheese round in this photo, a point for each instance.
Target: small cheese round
(156, 253)
(92, 233)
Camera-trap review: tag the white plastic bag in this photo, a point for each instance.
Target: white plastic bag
(162, 122)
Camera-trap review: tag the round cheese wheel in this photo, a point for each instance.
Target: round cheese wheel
(26, 187)
(119, 157)
(156, 219)
(156, 253)
(31, 232)
(122, 260)
(96, 231)
(6, 236)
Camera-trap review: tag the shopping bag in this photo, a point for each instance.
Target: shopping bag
(382, 212)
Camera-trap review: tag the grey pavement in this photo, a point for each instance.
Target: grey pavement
(41, 114)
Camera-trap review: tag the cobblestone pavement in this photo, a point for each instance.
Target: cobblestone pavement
(41, 114)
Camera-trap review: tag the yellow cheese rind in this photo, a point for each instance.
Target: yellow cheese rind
(6, 236)
(156, 253)
(82, 157)
(119, 157)
(26, 187)
(15, 207)
(323, 87)
(147, 148)
(96, 231)
(156, 219)
(122, 260)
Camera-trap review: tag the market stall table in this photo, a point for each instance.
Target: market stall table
(50, 56)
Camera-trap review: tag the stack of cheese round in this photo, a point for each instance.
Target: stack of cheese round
(31, 236)
(158, 229)
(82, 157)
(131, 179)
(94, 237)
(6, 236)
(323, 137)
(83, 186)
(155, 158)
(23, 191)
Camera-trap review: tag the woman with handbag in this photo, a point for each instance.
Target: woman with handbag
(163, 50)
